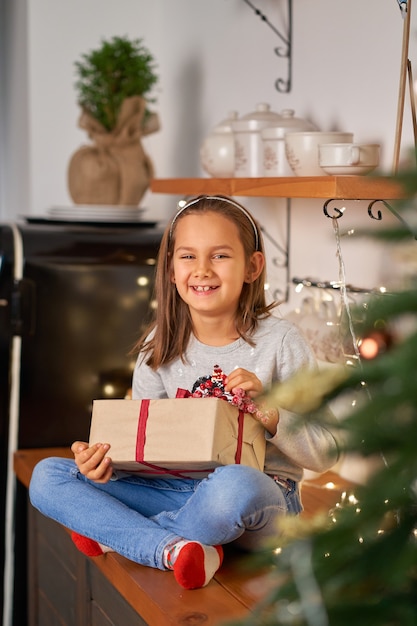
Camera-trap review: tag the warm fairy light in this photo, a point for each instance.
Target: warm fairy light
(108, 390)
(277, 551)
(369, 347)
(377, 342)
(352, 499)
(360, 539)
(329, 485)
(142, 281)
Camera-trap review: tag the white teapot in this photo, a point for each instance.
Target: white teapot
(217, 152)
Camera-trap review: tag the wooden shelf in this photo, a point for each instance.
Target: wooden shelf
(325, 187)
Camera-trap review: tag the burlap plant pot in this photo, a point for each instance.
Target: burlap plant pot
(114, 170)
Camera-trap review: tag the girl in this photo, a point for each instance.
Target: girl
(211, 311)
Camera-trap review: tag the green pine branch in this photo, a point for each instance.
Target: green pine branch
(359, 565)
(118, 69)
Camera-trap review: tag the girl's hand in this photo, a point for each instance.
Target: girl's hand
(252, 386)
(241, 378)
(92, 461)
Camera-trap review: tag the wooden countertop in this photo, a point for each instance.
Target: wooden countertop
(157, 597)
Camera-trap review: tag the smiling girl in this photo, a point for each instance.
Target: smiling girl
(211, 310)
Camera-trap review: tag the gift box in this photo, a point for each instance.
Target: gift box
(181, 437)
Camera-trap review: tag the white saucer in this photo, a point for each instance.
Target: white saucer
(347, 170)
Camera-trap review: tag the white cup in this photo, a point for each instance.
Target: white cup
(302, 150)
(348, 158)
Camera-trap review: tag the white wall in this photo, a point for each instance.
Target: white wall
(213, 56)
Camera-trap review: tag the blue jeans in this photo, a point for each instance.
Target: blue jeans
(138, 517)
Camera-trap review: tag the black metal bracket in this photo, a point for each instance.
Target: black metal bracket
(283, 51)
(282, 262)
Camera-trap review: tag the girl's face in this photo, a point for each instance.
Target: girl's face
(209, 266)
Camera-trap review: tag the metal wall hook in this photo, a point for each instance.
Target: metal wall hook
(339, 212)
(378, 216)
(394, 213)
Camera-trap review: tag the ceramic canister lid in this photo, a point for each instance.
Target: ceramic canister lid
(254, 121)
(287, 123)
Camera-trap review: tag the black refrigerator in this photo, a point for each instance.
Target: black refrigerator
(74, 298)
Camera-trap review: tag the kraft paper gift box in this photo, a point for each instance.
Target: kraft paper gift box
(177, 437)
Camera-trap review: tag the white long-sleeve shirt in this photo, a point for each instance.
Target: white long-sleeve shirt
(279, 352)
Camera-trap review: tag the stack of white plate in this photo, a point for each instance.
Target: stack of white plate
(94, 213)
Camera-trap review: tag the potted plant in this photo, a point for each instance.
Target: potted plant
(113, 89)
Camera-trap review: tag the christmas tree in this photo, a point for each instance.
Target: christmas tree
(359, 564)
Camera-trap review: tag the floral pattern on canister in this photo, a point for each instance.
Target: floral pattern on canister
(241, 158)
(292, 159)
(270, 159)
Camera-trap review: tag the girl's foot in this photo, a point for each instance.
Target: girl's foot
(87, 546)
(194, 563)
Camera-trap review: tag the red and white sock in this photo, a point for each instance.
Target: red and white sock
(87, 546)
(194, 563)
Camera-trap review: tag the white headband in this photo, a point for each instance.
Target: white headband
(235, 204)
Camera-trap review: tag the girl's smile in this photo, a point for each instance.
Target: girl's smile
(203, 289)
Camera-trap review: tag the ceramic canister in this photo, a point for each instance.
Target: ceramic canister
(248, 142)
(217, 152)
(274, 159)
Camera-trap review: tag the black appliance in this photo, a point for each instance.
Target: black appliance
(73, 301)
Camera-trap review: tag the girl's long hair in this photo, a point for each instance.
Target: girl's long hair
(168, 335)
